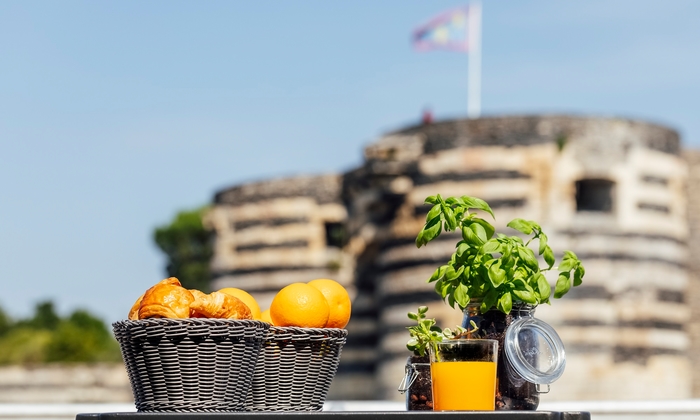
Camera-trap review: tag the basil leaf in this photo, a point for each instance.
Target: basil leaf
(563, 285)
(528, 257)
(431, 200)
(477, 203)
(419, 239)
(521, 225)
(543, 242)
(505, 303)
(543, 287)
(438, 274)
(451, 201)
(488, 227)
(567, 265)
(524, 292)
(432, 230)
(496, 275)
(489, 300)
(461, 249)
(461, 296)
(479, 231)
(578, 276)
(434, 212)
(470, 237)
(451, 300)
(449, 218)
(492, 245)
(548, 257)
(451, 274)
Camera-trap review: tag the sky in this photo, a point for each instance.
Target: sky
(116, 115)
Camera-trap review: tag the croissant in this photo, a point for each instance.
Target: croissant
(197, 295)
(167, 299)
(220, 305)
(134, 312)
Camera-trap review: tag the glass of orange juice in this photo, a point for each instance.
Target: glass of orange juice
(464, 374)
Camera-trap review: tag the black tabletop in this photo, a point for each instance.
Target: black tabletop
(348, 415)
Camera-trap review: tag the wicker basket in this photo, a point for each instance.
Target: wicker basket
(295, 369)
(190, 365)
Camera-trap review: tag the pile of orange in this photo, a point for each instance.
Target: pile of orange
(320, 303)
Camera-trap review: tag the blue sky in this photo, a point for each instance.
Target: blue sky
(115, 115)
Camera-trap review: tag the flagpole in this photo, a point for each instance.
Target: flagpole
(474, 70)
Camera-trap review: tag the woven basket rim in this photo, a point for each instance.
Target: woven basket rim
(187, 321)
(334, 331)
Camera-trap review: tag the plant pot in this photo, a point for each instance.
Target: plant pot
(417, 384)
(513, 392)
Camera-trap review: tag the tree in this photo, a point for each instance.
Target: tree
(81, 338)
(45, 317)
(5, 322)
(187, 244)
(46, 337)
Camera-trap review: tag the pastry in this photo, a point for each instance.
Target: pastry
(134, 312)
(167, 299)
(197, 294)
(220, 305)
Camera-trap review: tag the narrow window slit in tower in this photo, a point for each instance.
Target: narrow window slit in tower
(594, 195)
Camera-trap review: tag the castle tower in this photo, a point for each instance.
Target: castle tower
(269, 234)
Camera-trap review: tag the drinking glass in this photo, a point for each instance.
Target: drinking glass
(464, 374)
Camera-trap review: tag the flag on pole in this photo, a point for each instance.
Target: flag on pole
(457, 30)
(448, 30)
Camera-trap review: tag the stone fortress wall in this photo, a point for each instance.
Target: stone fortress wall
(273, 233)
(611, 190)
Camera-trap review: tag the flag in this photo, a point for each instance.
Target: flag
(446, 31)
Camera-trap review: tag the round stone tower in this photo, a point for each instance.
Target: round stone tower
(611, 190)
(272, 233)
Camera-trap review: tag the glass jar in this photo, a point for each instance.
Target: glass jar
(417, 384)
(513, 391)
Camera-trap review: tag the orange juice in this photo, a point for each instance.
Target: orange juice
(463, 385)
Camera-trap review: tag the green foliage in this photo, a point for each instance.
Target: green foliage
(82, 338)
(44, 317)
(187, 244)
(46, 337)
(424, 333)
(499, 270)
(5, 322)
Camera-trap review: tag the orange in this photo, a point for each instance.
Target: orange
(244, 296)
(338, 301)
(265, 316)
(299, 305)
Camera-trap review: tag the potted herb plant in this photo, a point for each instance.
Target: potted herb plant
(495, 279)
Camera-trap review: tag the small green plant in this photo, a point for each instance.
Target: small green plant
(498, 270)
(424, 333)
(427, 333)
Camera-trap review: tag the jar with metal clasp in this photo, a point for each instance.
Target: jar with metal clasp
(417, 384)
(531, 355)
